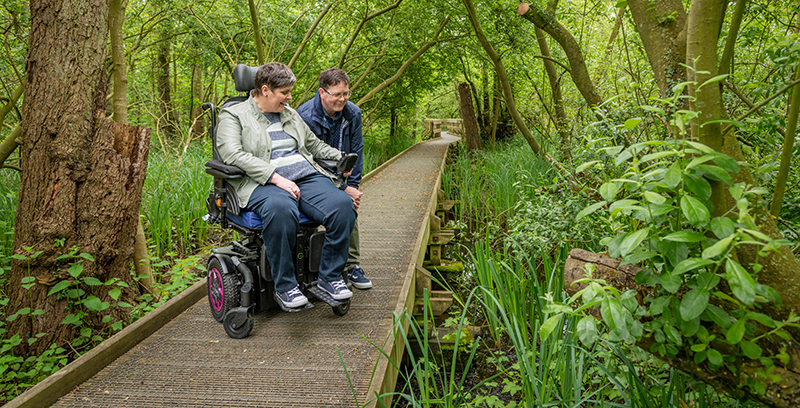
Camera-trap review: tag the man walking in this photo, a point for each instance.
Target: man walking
(337, 122)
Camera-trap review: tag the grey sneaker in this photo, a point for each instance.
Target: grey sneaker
(337, 289)
(293, 298)
(356, 276)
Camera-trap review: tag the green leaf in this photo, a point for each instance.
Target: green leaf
(654, 198)
(727, 163)
(694, 304)
(658, 155)
(637, 257)
(736, 332)
(716, 173)
(585, 166)
(114, 293)
(71, 319)
(124, 304)
(590, 209)
(86, 256)
(722, 227)
(92, 281)
(671, 282)
(697, 185)
(632, 241)
(608, 191)
(549, 325)
(694, 211)
(716, 315)
(714, 357)
(632, 123)
(93, 303)
(614, 245)
(684, 236)
(587, 331)
(75, 270)
(58, 287)
(718, 248)
(713, 80)
(672, 178)
(698, 161)
(742, 284)
(750, 350)
(703, 148)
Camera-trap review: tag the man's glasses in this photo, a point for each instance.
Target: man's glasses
(343, 95)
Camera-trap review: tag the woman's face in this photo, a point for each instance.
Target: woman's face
(274, 100)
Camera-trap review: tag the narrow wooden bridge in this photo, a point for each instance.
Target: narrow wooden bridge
(179, 356)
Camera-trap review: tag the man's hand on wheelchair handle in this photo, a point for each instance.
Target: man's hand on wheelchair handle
(355, 195)
(286, 184)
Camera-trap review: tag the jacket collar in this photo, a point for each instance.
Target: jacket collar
(287, 114)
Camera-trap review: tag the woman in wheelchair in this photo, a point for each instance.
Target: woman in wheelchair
(269, 141)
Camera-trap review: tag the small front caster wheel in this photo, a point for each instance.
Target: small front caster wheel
(238, 332)
(342, 309)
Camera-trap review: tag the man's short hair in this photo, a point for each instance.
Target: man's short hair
(274, 75)
(331, 77)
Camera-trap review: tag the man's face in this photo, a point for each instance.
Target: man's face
(335, 97)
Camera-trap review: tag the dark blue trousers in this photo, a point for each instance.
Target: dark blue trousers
(320, 201)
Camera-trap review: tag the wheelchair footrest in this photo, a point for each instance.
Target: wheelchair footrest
(324, 296)
(291, 309)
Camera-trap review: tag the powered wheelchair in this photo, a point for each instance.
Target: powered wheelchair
(239, 278)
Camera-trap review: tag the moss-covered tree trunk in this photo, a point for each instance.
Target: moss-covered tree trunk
(81, 179)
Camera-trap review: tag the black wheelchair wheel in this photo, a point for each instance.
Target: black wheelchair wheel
(223, 290)
(237, 332)
(342, 309)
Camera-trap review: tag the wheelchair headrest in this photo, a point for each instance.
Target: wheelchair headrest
(244, 77)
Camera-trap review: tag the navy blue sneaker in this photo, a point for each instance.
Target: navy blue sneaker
(337, 289)
(293, 298)
(356, 275)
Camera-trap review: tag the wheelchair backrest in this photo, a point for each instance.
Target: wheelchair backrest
(244, 80)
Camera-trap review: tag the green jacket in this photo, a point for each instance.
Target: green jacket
(243, 141)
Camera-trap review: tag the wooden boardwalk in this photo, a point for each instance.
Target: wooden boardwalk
(305, 359)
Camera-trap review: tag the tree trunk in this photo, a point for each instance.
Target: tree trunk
(502, 77)
(167, 119)
(198, 124)
(471, 132)
(116, 19)
(662, 28)
(562, 125)
(577, 64)
(82, 174)
(256, 32)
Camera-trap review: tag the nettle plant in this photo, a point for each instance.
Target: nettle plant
(660, 213)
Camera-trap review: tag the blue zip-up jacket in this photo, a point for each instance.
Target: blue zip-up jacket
(349, 138)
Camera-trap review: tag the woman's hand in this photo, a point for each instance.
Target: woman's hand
(355, 195)
(286, 184)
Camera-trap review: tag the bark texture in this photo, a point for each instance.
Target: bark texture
(662, 27)
(471, 133)
(82, 174)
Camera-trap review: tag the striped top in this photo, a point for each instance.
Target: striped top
(285, 156)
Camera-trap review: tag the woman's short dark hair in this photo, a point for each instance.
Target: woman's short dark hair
(331, 77)
(274, 75)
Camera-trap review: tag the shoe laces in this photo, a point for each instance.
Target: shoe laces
(338, 285)
(293, 292)
(357, 271)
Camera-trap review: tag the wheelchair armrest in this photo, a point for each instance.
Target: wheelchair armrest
(219, 169)
(343, 165)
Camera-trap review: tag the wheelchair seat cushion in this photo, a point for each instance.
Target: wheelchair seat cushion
(251, 220)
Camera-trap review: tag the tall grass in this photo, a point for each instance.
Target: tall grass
(173, 201)
(489, 185)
